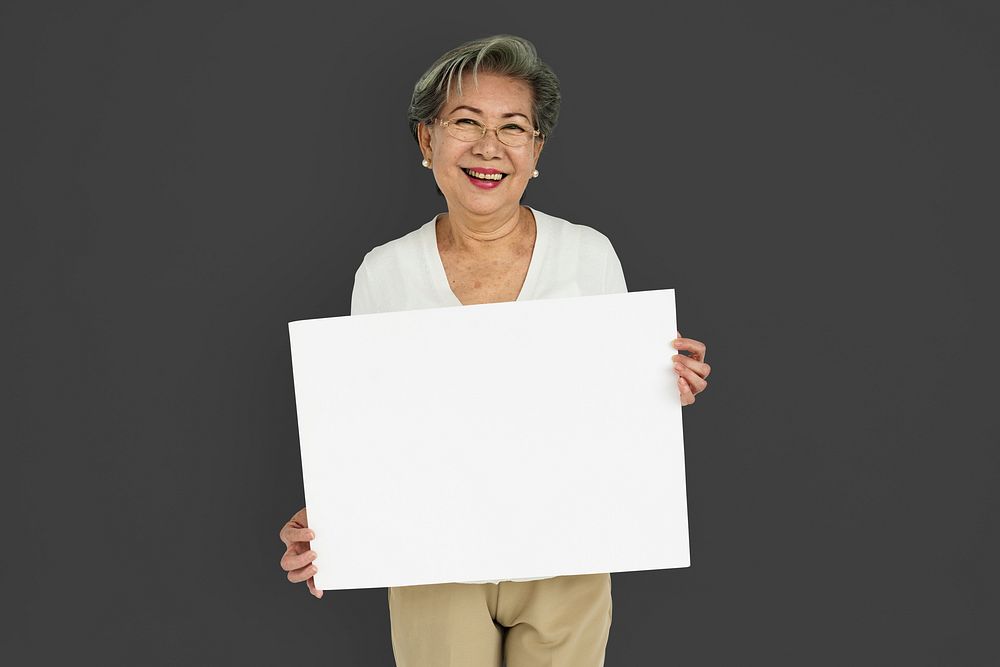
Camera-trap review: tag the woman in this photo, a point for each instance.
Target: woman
(481, 115)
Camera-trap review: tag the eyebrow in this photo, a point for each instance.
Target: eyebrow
(480, 112)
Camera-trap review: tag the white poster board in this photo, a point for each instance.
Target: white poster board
(496, 441)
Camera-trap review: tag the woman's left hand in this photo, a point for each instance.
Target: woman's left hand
(691, 368)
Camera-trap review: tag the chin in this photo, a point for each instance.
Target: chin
(481, 207)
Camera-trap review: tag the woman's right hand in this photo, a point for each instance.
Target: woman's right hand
(298, 558)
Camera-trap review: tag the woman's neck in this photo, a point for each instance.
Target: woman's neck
(470, 233)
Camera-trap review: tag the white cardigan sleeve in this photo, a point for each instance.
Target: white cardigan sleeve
(614, 277)
(363, 296)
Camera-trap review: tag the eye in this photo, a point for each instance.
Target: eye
(466, 121)
(513, 128)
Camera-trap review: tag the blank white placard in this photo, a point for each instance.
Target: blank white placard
(496, 441)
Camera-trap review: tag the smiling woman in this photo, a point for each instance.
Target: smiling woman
(483, 146)
(481, 115)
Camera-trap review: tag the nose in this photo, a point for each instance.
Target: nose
(488, 144)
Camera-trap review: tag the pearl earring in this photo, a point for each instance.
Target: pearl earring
(426, 163)
(534, 174)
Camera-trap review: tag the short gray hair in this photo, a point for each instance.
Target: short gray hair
(501, 54)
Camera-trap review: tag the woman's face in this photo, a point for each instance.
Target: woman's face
(496, 101)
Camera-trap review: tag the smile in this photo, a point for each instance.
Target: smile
(483, 176)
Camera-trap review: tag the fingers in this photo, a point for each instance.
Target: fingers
(302, 574)
(300, 566)
(696, 348)
(687, 396)
(296, 529)
(312, 588)
(300, 518)
(691, 368)
(293, 560)
(695, 383)
(290, 534)
(298, 557)
(702, 369)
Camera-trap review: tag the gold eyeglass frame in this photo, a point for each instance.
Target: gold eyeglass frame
(496, 130)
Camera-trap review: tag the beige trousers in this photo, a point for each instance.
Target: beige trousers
(558, 622)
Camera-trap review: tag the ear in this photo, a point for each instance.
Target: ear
(424, 139)
(539, 144)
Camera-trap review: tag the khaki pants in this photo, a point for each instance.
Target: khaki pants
(558, 622)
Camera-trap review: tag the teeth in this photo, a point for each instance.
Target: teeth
(488, 177)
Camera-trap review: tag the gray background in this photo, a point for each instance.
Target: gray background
(817, 181)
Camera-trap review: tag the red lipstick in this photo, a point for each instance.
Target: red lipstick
(480, 183)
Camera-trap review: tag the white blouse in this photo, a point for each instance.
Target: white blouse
(407, 273)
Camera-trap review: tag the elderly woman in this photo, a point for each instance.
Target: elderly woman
(481, 115)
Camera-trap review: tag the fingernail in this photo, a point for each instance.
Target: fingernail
(678, 366)
(677, 343)
(312, 535)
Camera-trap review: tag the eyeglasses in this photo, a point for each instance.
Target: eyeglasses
(467, 129)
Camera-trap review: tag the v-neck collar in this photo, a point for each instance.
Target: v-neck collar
(440, 276)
